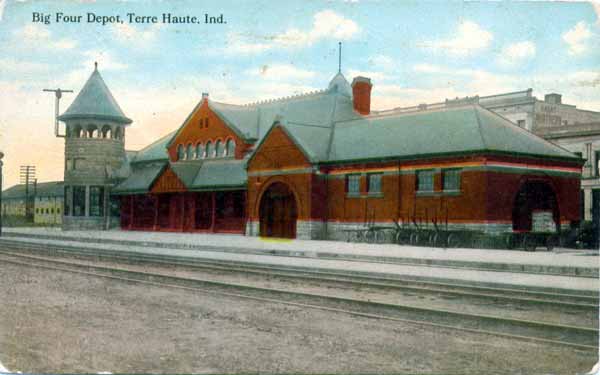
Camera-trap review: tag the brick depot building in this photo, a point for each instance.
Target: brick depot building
(314, 165)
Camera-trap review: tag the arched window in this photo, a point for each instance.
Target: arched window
(180, 153)
(92, 131)
(77, 131)
(209, 152)
(106, 132)
(230, 149)
(219, 149)
(199, 151)
(189, 152)
(118, 133)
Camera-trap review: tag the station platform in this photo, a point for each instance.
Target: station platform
(559, 269)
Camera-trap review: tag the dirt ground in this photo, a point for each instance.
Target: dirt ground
(61, 322)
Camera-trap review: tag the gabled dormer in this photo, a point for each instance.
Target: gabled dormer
(206, 134)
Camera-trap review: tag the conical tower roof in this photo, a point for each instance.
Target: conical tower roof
(95, 101)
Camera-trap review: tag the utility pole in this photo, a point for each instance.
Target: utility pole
(27, 175)
(1, 208)
(57, 94)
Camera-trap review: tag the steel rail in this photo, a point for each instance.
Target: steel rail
(573, 336)
(451, 289)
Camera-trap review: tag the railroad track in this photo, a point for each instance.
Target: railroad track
(555, 334)
(578, 300)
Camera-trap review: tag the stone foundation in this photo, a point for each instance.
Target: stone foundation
(83, 223)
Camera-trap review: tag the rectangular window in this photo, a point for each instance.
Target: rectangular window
(374, 183)
(66, 200)
(96, 201)
(425, 181)
(521, 123)
(353, 184)
(597, 160)
(78, 200)
(451, 179)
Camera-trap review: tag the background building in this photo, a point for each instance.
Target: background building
(47, 198)
(531, 113)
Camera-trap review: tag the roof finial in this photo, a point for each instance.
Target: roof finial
(339, 57)
(95, 65)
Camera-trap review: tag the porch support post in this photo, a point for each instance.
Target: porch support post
(131, 211)
(182, 199)
(213, 208)
(192, 216)
(156, 199)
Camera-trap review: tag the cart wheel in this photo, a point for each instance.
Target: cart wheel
(414, 239)
(452, 240)
(380, 237)
(509, 242)
(359, 236)
(551, 242)
(399, 238)
(529, 243)
(431, 239)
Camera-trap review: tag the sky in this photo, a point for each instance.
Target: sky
(413, 51)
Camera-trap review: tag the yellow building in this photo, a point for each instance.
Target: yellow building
(45, 200)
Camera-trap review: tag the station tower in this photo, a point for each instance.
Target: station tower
(94, 154)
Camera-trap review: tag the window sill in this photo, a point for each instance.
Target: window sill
(352, 195)
(375, 195)
(426, 192)
(438, 193)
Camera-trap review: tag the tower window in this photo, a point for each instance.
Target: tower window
(180, 153)
(96, 201)
(199, 151)
(78, 200)
(189, 152)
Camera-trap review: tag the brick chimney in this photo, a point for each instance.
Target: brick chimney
(361, 94)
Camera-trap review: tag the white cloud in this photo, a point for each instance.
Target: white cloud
(428, 68)
(280, 72)
(326, 24)
(469, 39)
(577, 38)
(376, 76)
(105, 60)
(38, 36)
(516, 53)
(126, 33)
(2, 4)
(382, 62)
(10, 65)
(596, 6)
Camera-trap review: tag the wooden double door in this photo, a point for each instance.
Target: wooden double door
(278, 212)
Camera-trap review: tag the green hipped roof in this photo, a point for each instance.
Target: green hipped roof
(141, 178)
(154, 151)
(450, 130)
(95, 101)
(221, 174)
(187, 171)
(43, 189)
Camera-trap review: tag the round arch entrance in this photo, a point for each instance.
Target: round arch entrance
(534, 196)
(278, 212)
